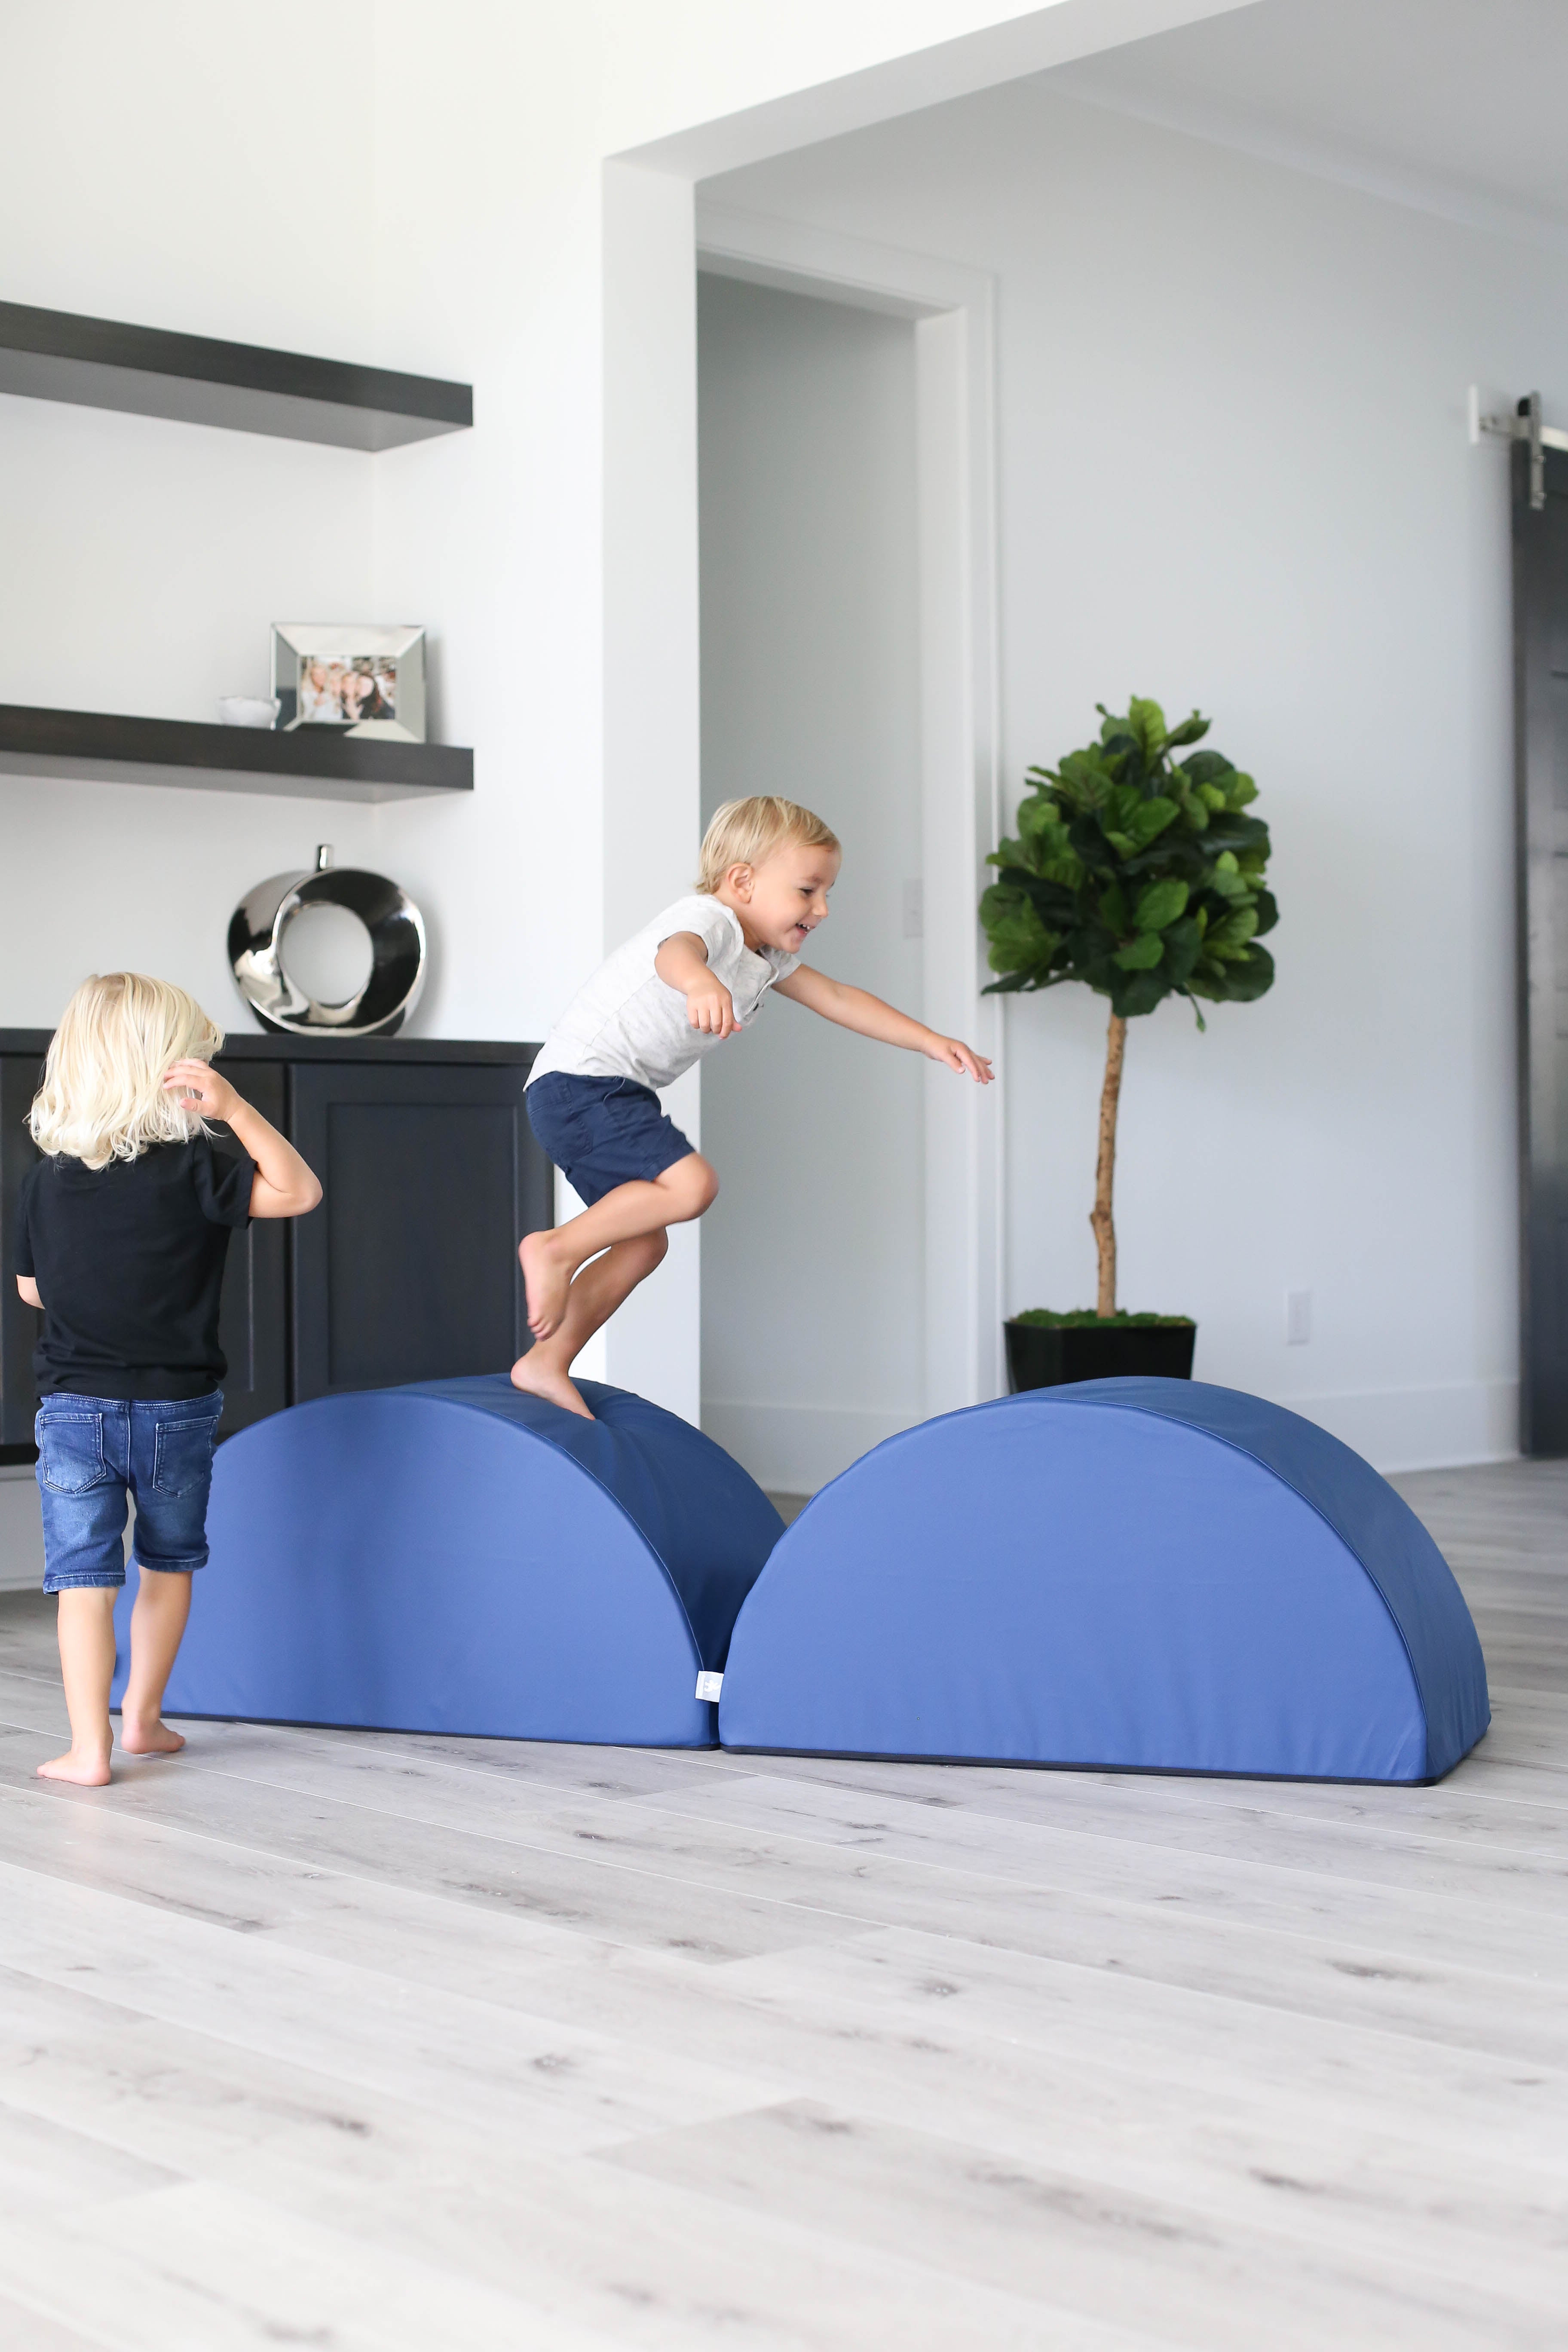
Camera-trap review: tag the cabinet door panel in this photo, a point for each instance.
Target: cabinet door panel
(19, 1325)
(409, 1270)
(253, 1315)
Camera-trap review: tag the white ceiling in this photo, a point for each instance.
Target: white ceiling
(1458, 106)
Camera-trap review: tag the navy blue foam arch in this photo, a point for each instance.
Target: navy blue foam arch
(1137, 1574)
(458, 1557)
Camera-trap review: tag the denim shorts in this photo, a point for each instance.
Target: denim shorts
(94, 1452)
(602, 1132)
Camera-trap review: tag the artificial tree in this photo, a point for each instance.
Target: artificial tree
(1142, 878)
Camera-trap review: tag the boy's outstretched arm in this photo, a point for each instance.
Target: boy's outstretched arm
(857, 1008)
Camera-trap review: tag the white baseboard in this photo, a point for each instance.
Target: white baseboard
(1422, 1428)
(793, 1449)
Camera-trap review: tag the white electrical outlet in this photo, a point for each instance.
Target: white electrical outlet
(1297, 1318)
(915, 910)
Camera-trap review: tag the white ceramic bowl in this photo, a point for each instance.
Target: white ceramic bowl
(249, 709)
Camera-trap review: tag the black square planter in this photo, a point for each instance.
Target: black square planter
(1041, 1358)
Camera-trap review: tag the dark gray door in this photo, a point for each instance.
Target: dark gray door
(1540, 722)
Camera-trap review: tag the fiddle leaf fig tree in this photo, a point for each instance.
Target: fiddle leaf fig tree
(1140, 874)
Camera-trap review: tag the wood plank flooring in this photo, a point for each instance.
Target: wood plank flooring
(369, 2041)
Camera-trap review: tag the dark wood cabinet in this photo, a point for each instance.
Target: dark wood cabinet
(408, 1269)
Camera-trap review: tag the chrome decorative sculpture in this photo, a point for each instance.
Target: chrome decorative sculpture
(257, 936)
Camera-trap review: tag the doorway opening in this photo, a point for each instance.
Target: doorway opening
(814, 1255)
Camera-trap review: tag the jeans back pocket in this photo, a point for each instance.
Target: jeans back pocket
(183, 1454)
(71, 1451)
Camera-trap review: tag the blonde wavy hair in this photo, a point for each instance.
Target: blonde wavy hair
(103, 1096)
(743, 833)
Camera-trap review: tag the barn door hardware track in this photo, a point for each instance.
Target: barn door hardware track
(1525, 424)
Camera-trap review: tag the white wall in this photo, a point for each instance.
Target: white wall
(812, 1256)
(364, 178)
(1233, 472)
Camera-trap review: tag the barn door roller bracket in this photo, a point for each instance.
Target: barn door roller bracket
(1524, 426)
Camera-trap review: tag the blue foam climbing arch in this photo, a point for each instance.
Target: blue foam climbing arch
(1140, 1574)
(458, 1557)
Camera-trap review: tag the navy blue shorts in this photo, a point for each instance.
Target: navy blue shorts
(602, 1132)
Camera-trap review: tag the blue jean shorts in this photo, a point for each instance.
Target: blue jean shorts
(602, 1132)
(93, 1454)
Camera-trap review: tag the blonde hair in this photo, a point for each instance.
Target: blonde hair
(743, 833)
(103, 1096)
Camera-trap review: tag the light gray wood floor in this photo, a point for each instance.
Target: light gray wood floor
(364, 2042)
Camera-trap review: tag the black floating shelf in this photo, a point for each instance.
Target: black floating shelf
(99, 363)
(311, 763)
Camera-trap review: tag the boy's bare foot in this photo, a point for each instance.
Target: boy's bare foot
(154, 1738)
(87, 1768)
(548, 1280)
(537, 1378)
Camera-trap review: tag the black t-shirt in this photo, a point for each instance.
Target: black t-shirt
(128, 1263)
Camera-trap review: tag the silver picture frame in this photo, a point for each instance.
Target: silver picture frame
(349, 677)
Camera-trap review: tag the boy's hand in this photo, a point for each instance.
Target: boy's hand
(710, 1007)
(200, 1086)
(956, 1056)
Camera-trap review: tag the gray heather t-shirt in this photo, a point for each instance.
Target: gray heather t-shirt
(628, 1024)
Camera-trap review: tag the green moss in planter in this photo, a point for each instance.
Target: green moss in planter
(1084, 1318)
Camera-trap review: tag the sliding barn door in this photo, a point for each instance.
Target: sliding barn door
(1540, 693)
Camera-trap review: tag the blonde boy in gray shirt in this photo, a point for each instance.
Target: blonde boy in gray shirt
(694, 976)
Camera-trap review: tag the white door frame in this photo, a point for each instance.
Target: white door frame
(953, 309)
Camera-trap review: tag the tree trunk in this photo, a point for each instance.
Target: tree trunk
(1100, 1218)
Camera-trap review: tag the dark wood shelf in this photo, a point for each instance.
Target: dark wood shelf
(311, 763)
(103, 363)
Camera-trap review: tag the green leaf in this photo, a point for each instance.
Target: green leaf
(1087, 778)
(1113, 909)
(1150, 819)
(1182, 943)
(1244, 983)
(1146, 725)
(1160, 904)
(1143, 953)
(1020, 940)
(1240, 788)
(1267, 912)
(1138, 993)
(1207, 767)
(1187, 732)
(1247, 834)
(1126, 800)
(1228, 938)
